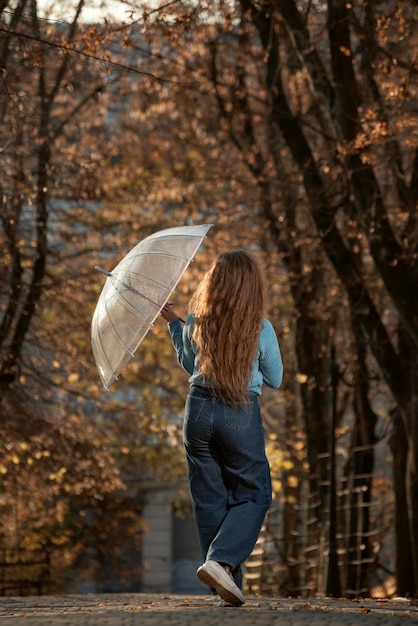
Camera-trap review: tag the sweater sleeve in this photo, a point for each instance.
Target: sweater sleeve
(270, 359)
(182, 344)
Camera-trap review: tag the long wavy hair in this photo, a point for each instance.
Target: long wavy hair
(229, 305)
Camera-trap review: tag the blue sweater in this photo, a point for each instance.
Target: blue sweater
(267, 369)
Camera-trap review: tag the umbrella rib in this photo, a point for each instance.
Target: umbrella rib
(118, 335)
(161, 253)
(135, 291)
(156, 283)
(128, 287)
(106, 358)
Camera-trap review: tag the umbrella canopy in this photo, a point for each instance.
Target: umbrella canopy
(135, 292)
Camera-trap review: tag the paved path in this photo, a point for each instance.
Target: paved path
(175, 610)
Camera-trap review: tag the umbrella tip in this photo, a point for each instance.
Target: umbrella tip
(100, 269)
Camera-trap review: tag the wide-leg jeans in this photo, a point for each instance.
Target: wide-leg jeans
(229, 475)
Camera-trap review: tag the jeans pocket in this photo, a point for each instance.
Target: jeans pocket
(238, 417)
(193, 408)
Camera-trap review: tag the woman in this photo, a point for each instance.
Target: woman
(230, 350)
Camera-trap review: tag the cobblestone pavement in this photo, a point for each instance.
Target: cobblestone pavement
(176, 610)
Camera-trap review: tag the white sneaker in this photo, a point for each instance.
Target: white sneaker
(217, 601)
(213, 574)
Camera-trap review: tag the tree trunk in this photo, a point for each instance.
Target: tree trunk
(361, 466)
(404, 561)
(408, 373)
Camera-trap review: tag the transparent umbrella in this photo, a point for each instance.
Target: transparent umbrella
(135, 292)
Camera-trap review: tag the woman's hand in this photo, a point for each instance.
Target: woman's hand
(168, 314)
